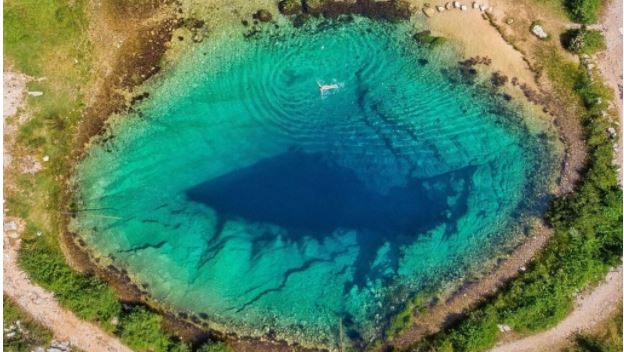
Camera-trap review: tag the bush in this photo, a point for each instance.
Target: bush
(583, 41)
(584, 11)
(140, 329)
(214, 347)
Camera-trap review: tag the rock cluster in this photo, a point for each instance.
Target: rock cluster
(429, 10)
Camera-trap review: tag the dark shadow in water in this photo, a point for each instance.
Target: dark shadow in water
(309, 195)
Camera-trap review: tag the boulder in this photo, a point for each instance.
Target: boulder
(449, 5)
(262, 15)
(440, 8)
(538, 31)
(612, 132)
(463, 7)
(428, 11)
(475, 5)
(456, 4)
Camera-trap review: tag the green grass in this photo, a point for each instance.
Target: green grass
(587, 237)
(29, 334)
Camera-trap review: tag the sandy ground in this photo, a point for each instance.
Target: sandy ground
(477, 37)
(36, 301)
(590, 310)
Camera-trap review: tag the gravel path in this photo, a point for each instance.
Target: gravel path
(36, 301)
(590, 310)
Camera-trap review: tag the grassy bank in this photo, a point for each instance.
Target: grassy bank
(48, 41)
(587, 238)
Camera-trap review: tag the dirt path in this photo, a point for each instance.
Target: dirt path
(590, 310)
(610, 62)
(36, 301)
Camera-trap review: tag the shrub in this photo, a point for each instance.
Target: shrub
(583, 11)
(583, 41)
(140, 329)
(215, 347)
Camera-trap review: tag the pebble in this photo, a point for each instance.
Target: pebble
(46, 158)
(35, 93)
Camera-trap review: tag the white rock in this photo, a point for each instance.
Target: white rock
(590, 66)
(35, 93)
(448, 5)
(612, 132)
(523, 268)
(475, 5)
(39, 233)
(440, 8)
(10, 226)
(483, 7)
(456, 4)
(463, 7)
(539, 31)
(46, 158)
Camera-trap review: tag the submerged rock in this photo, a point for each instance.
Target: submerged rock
(262, 15)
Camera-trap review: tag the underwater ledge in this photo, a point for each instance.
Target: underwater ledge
(160, 244)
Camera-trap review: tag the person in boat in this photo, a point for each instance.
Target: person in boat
(326, 87)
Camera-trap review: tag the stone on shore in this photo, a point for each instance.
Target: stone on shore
(428, 11)
(463, 7)
(440, 8)
(456, 4)
(448, 5)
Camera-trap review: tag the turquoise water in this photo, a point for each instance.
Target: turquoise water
(241, 193)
